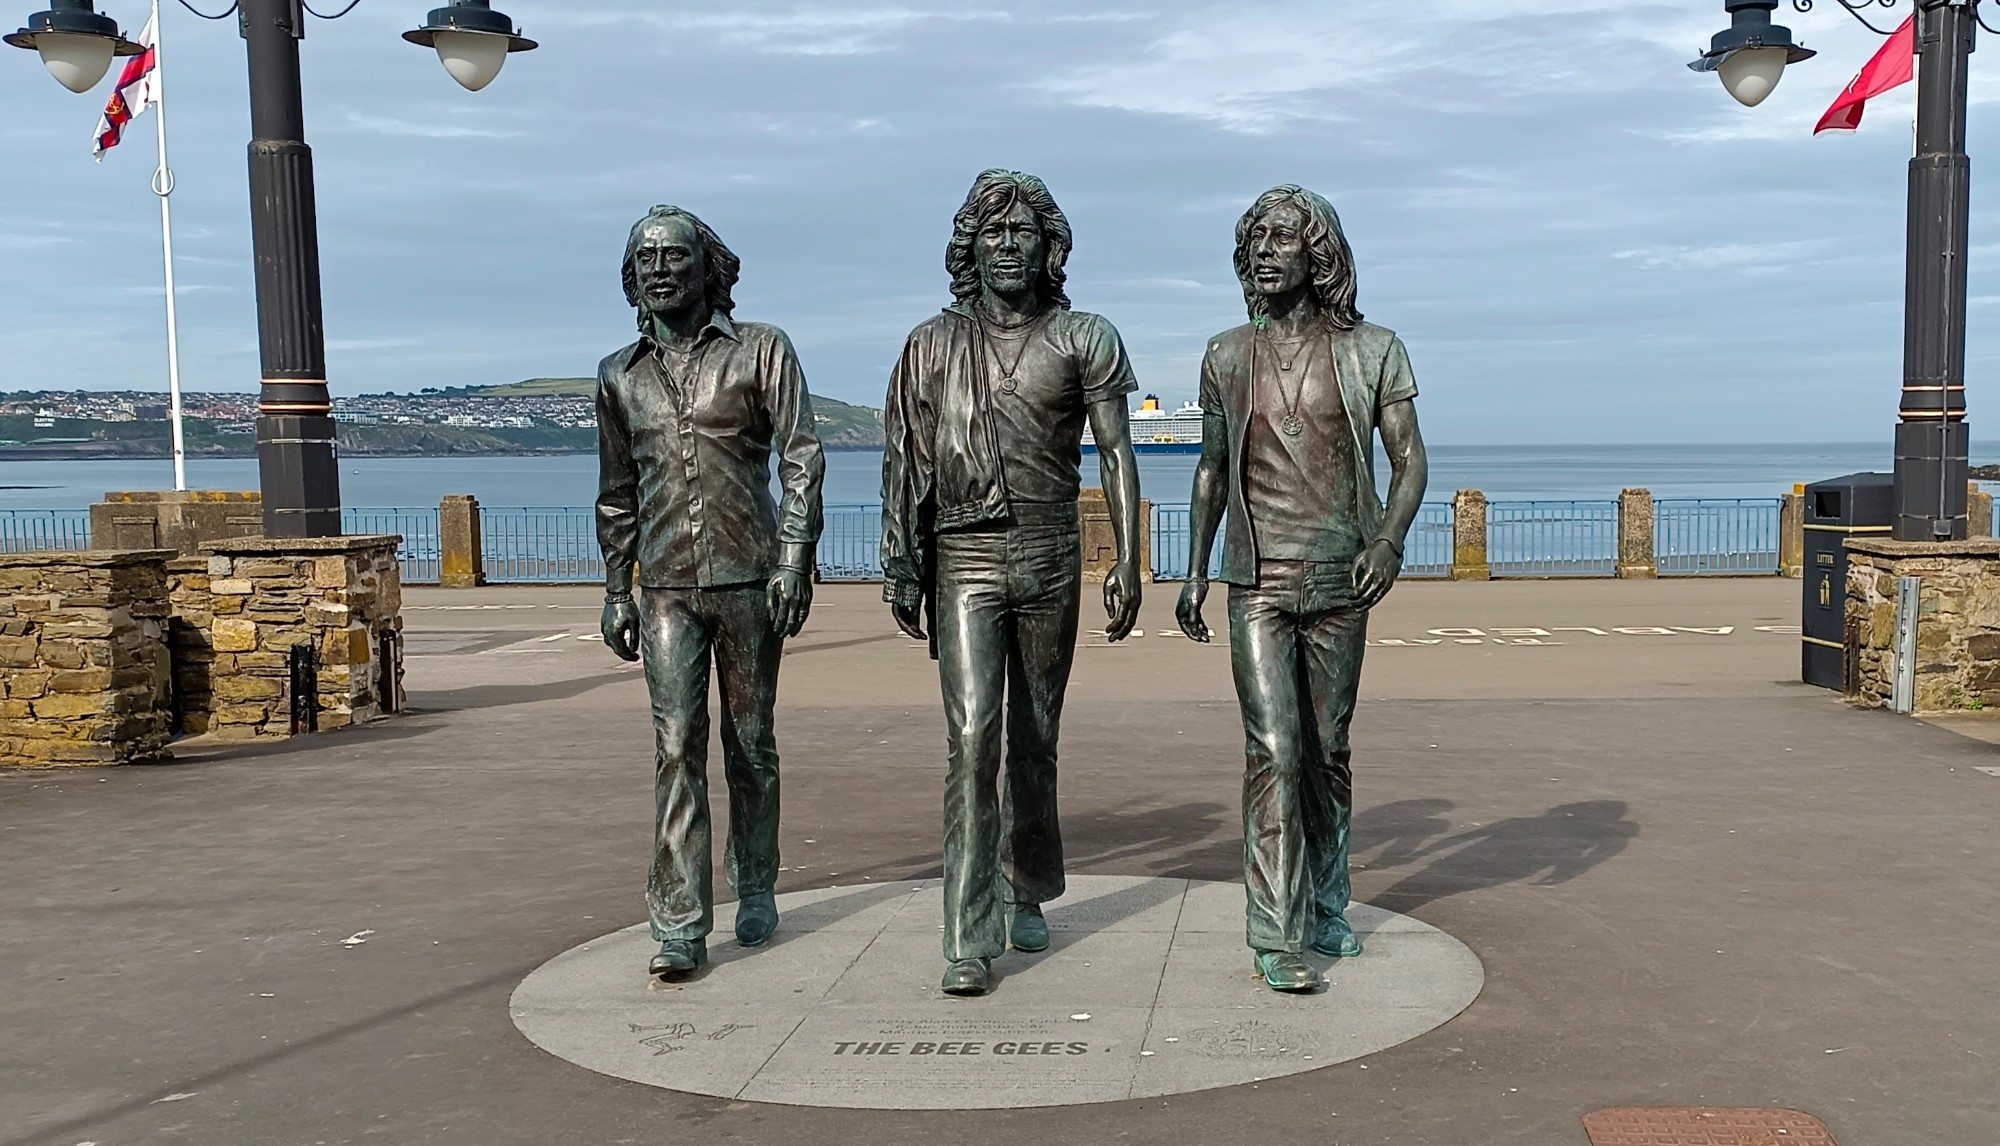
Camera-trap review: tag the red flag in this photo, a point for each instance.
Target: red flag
(1893, 66)
(136, 92)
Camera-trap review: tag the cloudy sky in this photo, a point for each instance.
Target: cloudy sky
(1579, 239)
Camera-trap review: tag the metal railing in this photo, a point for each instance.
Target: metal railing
(1552, 538)
(1173, 528)
(551, 545)
(1428, 550)
(1427, 553)
(43, 530)
(850, 547)
(1695, 537)
(422, 554)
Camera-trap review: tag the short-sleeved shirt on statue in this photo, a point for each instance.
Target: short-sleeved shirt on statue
(1042, 380)
(1301, 487)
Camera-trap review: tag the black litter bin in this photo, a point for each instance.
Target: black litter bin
(1835, 510)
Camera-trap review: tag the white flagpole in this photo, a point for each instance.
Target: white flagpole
(163, 186)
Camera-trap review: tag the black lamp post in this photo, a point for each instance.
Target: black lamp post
(1931, 437)
(297, 464)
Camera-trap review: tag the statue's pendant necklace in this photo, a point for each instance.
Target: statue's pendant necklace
(1293, 425)
(1009, 382)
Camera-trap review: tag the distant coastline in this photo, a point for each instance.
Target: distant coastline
(541, 417)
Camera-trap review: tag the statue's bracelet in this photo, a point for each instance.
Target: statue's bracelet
(1391, 544)
(618, 598)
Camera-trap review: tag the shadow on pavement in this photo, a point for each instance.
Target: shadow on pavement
(1549, 849)
(504, 695)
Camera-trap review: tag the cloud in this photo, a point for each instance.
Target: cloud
(816, 30)
(422, 129)
(1550, 208)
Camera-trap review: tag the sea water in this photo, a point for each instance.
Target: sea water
(854, 477)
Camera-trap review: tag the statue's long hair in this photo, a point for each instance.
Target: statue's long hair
(724, 268)
(993, 193)
(1326, 246)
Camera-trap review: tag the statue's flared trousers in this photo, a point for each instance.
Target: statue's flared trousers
(1006, 634)
(1296, 643)
(681, 632)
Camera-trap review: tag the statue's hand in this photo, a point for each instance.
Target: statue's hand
(620, 627)
(1375, 573)
(1193, 595)
(791, 601)
(1121, 601)
(910, 619)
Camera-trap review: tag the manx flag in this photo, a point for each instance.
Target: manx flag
(1893, 66)
(137, 90)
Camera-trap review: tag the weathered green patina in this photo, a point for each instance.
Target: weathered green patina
(985, 420)
(1294, 402)
(689, 419)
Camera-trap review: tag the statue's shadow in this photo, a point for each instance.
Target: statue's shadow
(1546, 850)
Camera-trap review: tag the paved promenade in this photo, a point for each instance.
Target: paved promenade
(1691, 882)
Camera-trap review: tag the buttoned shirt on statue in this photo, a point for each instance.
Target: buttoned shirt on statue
(684, 459)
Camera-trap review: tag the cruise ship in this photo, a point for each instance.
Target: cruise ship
(1155, 431)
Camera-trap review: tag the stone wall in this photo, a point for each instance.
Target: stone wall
(1958, 625)
(1100, 540)
(174, 519)
(191, 640)
(342, 596)
(83, 658)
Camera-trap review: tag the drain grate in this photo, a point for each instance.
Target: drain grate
(1703, 1126)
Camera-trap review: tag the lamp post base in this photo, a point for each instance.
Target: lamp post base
(298, 463)
(1931, 474)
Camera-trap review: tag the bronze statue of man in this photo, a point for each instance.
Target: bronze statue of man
(689, 420)
(980, 532)
(1292, 404)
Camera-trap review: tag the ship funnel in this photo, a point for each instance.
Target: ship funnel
(1152, 402)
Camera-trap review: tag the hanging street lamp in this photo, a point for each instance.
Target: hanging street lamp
(297, 464)
(1931, 435)
(472, 41)
(1752, 53)
(77, 44)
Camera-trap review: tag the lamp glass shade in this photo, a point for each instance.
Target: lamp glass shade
(472, 58)
(1752, 74)
(77, 62)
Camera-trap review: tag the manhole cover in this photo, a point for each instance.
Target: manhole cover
(1702, 1126)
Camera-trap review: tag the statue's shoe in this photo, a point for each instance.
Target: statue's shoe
(756, 919)
(1336, 938)
(679, 956)
(1286, 971)
(968, 977)
(1029, 931)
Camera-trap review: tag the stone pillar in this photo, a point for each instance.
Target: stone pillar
(191, 641)
(341, 596)
(1792, 534)
(1958, 623)
(1978, 511)
(180, 520)
(462, 558)
(1468, 548)
(83, 658)
(1638, 558)
(1100, 541)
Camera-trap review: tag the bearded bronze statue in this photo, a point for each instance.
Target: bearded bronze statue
(1292, 405)
(981, 539)
(690, 418)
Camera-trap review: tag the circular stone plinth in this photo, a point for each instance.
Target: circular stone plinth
(1146, 990)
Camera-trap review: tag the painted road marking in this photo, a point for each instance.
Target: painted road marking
(555, 637)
